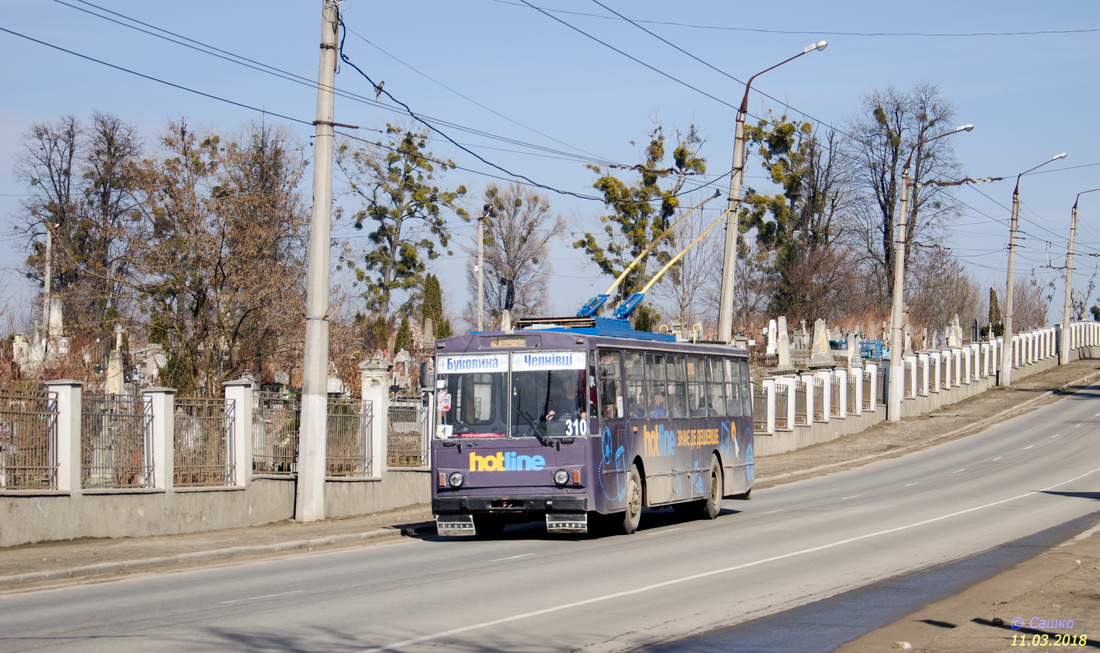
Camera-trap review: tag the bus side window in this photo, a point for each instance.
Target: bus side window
(656, 386)
(610, 385)
(635, 384)
(677, 386)
(715, 382)
(746, 388)
(696, 387)
(733, 387)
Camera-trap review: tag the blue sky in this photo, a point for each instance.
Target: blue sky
(505, 69)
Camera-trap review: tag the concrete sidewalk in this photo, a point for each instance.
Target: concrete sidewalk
(36, 564)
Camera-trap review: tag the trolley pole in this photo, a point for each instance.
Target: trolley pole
(312, 440)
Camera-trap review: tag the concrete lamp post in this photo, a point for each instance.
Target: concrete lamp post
(725, 310)
(1005, 379)
(901, 238)
(1063, 344)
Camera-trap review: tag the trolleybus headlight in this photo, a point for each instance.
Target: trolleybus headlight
(456, 480)
(561, 477)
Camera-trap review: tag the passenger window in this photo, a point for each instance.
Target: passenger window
(677, 386)
(635, 384)
(610, 384)
(656, 386)
(696, 387)
(715, 388)
(733, 387)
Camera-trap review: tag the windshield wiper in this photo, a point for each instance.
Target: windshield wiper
(534, 426)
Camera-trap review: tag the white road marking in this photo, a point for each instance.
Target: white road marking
(959, 470)
(1076, 425)
(997, 458)
(772, 511)
(1055, 435)
(912, 484)
(663, 531)
(257, 598)
(1028, 447)
(522, 555)
(707, 574)
(851, 497)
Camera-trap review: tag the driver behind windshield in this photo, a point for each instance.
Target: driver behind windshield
(567, 400)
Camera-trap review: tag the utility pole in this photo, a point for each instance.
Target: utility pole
(897, 336)
(1005, 379)
(729, 263)
(313, 434)
(49, 261)
(1063, 342)
(481, 269)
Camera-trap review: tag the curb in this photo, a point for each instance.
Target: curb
(980, 424)
(106, 568)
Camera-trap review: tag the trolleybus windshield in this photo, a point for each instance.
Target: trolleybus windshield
(548, 394)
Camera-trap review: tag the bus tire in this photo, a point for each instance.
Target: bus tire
(712, 505)
(488, 527)
(633, 514)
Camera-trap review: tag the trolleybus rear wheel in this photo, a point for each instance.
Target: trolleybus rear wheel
(713, 503)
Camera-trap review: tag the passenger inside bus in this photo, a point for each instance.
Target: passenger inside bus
(657, 406)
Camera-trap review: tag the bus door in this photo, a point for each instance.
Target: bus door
(615, 453)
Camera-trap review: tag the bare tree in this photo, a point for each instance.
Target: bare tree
(689, 291)
(890, 126)
(516, 237)
(940, 288)
(221, 261)
(1030, 302)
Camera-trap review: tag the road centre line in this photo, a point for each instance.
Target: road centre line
(772, 511)
(1076, 425)
(707, 574)
(663, 531)
(265, 596)
(1028, 447)
(959, 470)
(522, 555)
(1055, 435)
(854, 496)
(912, 484)
(997, 458)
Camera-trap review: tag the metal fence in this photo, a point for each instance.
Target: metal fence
(868, 391)
(759, 409)
(852, 381)
(349, 437)
(819, 399)
(782, 399)
(204, 442)
(907, 371)
(800, 392)
(275, 420)
(116, 447)
(408, 436)
(28, 439)
(836, 408)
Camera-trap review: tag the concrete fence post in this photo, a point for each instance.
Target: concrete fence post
(374, 376)
(769, 405)
(858, 374)
(163, 402)
(967, 366)
(239, 392)
(68, 433)
(842, 396)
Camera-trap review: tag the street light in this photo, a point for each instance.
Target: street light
(725, 310)
(1063, 345)
(1006, 358)
(893, 409)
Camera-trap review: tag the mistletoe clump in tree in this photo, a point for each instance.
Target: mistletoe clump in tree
(641, 212)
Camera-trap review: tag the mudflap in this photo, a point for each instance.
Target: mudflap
(567, 522)
(455, 525)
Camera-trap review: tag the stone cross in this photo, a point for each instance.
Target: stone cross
(772, 328)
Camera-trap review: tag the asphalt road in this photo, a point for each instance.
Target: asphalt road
(791, 545)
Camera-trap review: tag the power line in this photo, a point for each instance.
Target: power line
(818, 32)
(156, 79)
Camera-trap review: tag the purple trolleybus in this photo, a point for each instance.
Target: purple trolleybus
(583, 420)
